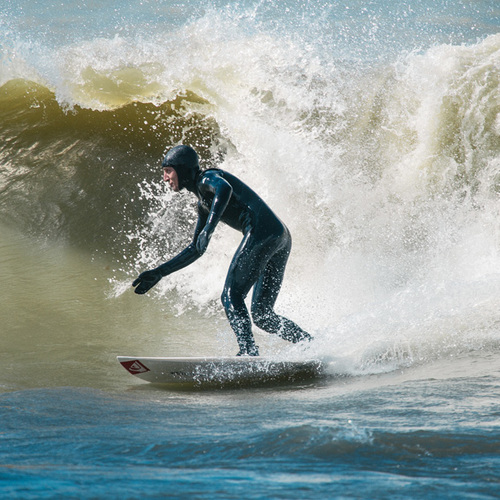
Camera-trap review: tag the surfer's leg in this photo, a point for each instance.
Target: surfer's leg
(243, 273)
(265, 294)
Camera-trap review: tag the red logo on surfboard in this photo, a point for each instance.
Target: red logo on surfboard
(134, 366)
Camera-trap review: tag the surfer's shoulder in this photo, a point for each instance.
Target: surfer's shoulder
(211, 176)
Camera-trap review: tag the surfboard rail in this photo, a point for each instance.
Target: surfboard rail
(217, 370)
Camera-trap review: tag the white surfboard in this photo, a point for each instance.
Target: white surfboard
(219, 370)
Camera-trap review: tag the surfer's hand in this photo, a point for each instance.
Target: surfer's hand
(146, 281)
(202, 242)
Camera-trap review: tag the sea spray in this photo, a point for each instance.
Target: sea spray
(385, 173)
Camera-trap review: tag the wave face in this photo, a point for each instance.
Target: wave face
(380, 149)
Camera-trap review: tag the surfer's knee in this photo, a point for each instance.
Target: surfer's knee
(231, 301)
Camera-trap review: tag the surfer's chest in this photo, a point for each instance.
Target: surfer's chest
(234, 215)
(205, 203)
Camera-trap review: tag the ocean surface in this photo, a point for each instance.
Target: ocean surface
(371, 127)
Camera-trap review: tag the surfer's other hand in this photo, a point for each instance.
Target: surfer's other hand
(146, 281)
(202, 241)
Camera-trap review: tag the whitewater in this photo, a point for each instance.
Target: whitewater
(371, 128)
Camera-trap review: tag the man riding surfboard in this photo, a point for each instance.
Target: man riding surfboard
(259, 261)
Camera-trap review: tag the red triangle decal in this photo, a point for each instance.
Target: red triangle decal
(134, 366)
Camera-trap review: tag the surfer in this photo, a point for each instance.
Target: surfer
(259, 261)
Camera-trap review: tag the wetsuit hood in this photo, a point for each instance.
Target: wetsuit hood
(184, 160)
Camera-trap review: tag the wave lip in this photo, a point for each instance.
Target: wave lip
(391, 171)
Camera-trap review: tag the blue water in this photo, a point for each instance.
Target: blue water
(372, 128)
(397, 436)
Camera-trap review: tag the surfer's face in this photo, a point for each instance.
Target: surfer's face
(170, 176)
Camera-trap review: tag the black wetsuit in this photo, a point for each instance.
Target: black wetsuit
(259, 261)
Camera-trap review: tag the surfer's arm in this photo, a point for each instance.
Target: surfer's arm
(213, 183)
(148, 279)
(189, 254)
